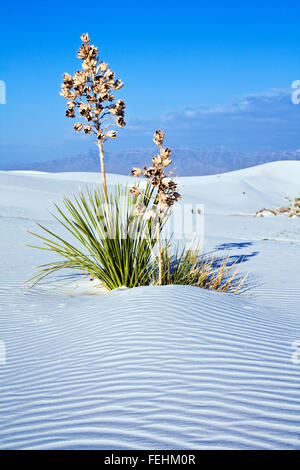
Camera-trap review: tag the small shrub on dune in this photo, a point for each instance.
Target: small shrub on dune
(292, 210)
(190, 267)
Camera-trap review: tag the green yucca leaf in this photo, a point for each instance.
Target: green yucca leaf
(118, 261)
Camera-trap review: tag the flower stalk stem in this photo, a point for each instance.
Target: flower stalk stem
(158, 226)
(103, 174)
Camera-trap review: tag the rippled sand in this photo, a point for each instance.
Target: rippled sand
(151, 368)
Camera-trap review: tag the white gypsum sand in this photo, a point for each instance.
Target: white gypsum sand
(154, 367)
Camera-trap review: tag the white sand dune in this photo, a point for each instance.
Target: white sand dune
(160, 367)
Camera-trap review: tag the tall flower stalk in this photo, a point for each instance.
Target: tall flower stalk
(165, 196)
(90, 98)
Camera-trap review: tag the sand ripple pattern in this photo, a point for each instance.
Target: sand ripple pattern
(149, 368)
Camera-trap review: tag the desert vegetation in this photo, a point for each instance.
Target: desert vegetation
(116, 236)
(291, 210)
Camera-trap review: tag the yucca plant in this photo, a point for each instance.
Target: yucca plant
(117, 254)
(113, 237)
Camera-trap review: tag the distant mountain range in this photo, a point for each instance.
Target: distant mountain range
(187, 161)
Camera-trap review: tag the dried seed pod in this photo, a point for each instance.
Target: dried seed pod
(85, 37)
(177, 196)
(71, 104)
(158, 137)
(120, 121)
(103, 66)
(87, 129)
(113, 110)
(118, 85)
(79, 78)
(136, 171)
(68, 80)
(135, 191)
(120, 104)
(157, 160)
(169, 183)
(111, 134)
(109, 74)
(69, 95)
(70, 113)
(149, 171)
(167, 162)
(83, 51)
(78, 126)
(165, 152)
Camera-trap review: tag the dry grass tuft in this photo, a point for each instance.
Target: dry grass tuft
(214, 272)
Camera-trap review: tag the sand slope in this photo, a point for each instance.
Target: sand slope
(170, 367)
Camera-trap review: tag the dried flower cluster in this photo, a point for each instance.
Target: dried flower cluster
(90, 90)
(167, 193)
(90, 98)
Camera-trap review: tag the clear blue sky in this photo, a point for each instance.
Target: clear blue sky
(201, 70)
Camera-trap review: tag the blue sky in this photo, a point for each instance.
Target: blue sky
(212, 74)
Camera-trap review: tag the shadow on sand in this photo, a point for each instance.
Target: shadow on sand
(238, 259)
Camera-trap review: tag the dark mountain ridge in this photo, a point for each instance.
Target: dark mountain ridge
(187, 161)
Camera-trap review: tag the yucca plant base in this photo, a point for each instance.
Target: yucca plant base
(101, 243)
(126, 259)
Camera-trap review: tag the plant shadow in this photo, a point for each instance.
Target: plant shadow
(229, 246)
(237, 259)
